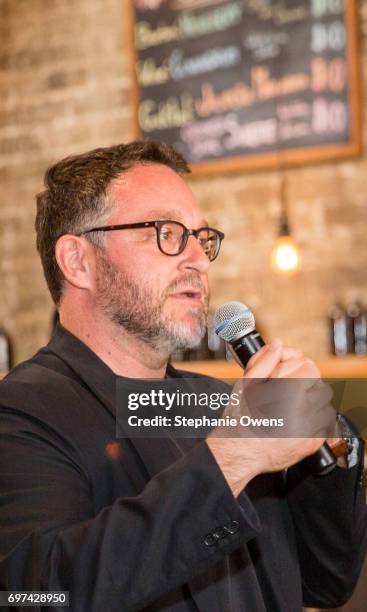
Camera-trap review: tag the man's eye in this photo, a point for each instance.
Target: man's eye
(147, 235)
(166, 235)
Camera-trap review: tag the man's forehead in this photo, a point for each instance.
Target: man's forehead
(155, 191)
(144, 174)
(164, 213)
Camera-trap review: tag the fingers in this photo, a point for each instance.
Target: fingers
(287, 369)
(264, 361)
(288, 362)
(288, 352)
(300, 367)
(255, 358)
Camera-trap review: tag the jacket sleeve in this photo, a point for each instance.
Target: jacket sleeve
(130, 553)
(329, 514)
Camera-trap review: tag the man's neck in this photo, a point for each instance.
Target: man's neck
(120, 351)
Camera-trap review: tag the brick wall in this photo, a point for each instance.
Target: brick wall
(65, 88)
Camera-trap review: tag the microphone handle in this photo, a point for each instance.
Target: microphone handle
(323, 461)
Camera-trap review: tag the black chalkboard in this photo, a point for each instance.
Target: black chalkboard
(248, 84)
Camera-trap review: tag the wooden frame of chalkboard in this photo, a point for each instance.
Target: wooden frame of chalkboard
(263, 85)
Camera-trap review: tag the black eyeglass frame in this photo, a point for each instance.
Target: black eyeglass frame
(158, 226)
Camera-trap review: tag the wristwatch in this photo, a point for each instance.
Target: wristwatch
(341, 449)
(346, 445)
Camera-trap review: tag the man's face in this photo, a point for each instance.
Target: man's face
(159, 299)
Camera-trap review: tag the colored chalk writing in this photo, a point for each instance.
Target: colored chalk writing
(248, 81)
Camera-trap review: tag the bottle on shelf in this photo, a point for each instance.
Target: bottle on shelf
(357, 328)
(338, 329)
(5, 352)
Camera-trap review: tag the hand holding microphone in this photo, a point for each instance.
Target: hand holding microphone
(304, 400)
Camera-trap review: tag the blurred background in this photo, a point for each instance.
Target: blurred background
(67, 86)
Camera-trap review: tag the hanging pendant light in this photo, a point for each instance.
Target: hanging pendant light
(285, 255)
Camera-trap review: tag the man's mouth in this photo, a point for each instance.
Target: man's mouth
(192, 295)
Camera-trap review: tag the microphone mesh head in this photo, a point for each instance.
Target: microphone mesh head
(233, 320)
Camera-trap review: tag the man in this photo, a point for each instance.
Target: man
(154, 524)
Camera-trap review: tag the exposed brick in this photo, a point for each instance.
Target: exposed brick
(65, 84)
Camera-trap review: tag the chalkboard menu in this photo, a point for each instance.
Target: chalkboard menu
(248, 84)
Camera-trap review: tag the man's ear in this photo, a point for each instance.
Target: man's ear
(75, 257)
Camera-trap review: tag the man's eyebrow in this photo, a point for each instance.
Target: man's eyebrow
(170, 215)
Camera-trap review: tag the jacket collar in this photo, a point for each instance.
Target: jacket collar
(85, 364)
(101, 382)
(94, 372)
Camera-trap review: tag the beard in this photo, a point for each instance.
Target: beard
(140, 311)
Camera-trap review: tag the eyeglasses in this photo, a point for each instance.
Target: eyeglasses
(172, 236)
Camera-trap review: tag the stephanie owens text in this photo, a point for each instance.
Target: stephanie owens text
(203, 421)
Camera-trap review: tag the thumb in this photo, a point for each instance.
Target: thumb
(263, 363)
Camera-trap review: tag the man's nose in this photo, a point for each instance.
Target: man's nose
(194, 257)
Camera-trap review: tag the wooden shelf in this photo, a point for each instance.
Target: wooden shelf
(351, 366)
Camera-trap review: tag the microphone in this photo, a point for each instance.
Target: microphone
(234, 322)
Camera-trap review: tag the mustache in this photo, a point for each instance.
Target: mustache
(187, 282)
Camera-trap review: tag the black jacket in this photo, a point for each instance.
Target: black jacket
(124, 524)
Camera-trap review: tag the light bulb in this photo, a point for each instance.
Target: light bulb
(285, 256)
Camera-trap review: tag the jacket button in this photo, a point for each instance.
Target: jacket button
(232, 527)
(220, 533)
(210, 540)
